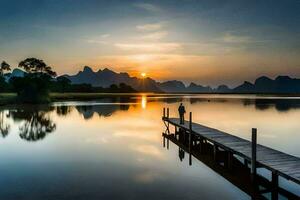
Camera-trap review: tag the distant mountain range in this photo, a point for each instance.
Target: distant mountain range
(107, 77)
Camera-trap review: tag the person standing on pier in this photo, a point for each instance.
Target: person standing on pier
(181, 110)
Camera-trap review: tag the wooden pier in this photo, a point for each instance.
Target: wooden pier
(258, 156)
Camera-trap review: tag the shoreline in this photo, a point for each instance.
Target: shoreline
(10, 98)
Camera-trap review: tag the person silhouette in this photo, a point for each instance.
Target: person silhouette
(181, 110)
(181, 154)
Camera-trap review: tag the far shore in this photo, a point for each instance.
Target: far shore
(10, 98)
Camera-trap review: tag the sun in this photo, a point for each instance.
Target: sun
(143, 74)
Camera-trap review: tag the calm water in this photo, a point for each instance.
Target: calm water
(112, 148)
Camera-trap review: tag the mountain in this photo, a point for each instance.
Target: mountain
(222, 89)
(172, 86)
(106, 77)
(15, 73)
(246, 87)
(282, 84)
(194, 88)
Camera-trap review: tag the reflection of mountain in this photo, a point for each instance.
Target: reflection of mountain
(37, 122)
(102, 110)
(279, 104)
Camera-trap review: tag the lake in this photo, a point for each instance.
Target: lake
(111, 148)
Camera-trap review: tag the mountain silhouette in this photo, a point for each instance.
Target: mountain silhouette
(172, 86)
(106, 77)
(15, 73)
(193, 87)
(282, 84)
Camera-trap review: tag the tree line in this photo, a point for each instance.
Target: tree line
(39, 80)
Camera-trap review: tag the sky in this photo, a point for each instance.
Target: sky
(208, 42)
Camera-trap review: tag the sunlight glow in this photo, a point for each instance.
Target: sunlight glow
(143, 74)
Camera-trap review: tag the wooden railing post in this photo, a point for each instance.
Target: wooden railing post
(164, 112)
(168, 123)
(168, 113)
(190, 128)
(253, 155)
(190, 139)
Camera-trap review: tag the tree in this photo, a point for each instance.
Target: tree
(34, 86)
(63, 83)
(4, 67)
(36, 66)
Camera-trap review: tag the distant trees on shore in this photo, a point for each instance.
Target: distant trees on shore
(34, 86)
(39, 80)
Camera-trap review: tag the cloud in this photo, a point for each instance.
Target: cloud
(149, 150)
(155, 36)
(230, 38)
(147, 176)
(150, 27)
(149, 47)
(148, 7)
(105, 36)
(96, 41)
(100, 40)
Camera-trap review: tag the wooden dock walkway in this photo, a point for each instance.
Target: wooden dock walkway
(279, 163)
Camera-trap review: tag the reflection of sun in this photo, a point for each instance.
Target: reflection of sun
(143, 74)
(144, 101)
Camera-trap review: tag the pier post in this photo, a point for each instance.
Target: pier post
(200, 145)
(215, 148)
(274, 192)
(245, 162)
(167, 143)
(190, 140)
(164, 112)
(168, 112)
(168, 125)
(229, 160)
(253, 149)
(190, 135)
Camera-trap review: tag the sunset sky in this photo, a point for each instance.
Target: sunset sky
(204, 41)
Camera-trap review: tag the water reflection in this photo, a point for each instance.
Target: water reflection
(63, 110)
(279, 103)
(37, 123)
(144, 101)
(4, 126)
(102, 110)
(111, 148)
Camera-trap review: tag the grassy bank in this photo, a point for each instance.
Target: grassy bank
(11, 98)
(87, 96)
(7, 98)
